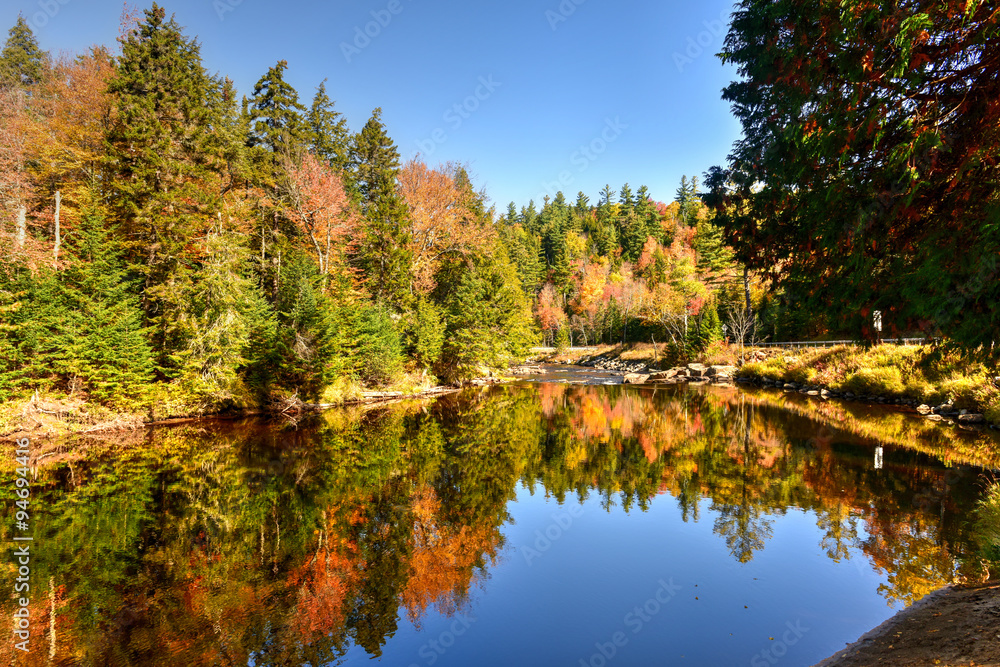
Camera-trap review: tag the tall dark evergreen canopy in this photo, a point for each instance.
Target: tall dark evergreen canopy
(383, 254)
(162, 154)
(276, 116)
(21, 61)
(328, 135)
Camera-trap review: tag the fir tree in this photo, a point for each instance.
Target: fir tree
(276, 121)
(326, 131)
(163, 158)
(21, 61)
(383, 254)
(89, 322)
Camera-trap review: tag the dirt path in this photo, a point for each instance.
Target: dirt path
(954, 626)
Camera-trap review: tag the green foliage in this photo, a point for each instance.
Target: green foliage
(276, 116)
(988, 524)
(84, 328)
(563, 341)
(707, 329)
(379, 352)
(327, 132)
(880, 381)
(489, 320)
(21, 61)
(862, 180)
(219, 311)
(425, 334)
(383, 255)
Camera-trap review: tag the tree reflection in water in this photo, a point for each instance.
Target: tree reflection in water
(256, 543)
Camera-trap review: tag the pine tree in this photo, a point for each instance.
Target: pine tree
(21, 61)
(626, 199)
(383, 255)
(687, 197)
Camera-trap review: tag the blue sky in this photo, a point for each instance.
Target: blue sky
(550, 94)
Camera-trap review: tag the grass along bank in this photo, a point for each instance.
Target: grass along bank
(944, 381)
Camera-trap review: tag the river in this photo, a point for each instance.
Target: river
(565, 521)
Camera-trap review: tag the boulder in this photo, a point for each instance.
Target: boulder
(972, 419)
(635, 378)
(697, 370)
(664, 375)
(720, 370)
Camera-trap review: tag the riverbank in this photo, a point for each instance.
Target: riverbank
(47, 417)
(953, 626)
(941, 385)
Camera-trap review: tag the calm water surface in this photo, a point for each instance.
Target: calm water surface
(542, 523)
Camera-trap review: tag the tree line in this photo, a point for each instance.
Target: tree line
(167, 239)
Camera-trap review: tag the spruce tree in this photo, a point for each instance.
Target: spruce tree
(383, 255)
(89, 321)
(326, 131)
(276, 121)
(163, 158)
(21, 61)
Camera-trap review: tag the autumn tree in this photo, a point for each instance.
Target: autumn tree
(319, 206)
(444, 225)
(866, 178)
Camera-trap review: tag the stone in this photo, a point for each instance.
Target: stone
(636, 378)
(789, 386)
(972, 419)
(935, 418)
(697, 370)
(813, 393)
(720, 370)
(664, 375)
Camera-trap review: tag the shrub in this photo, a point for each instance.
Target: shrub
(877, 381)
(988, 524)
(379, 352)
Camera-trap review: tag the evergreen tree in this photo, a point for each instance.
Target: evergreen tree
(626, 199)
(88, 323)
(647, 215)
(607, 196)
(163, 158)
(327, 132)
(379, 351)
(21, 61)
(687, 197)
(489, 321)
(425, 334)
(383, 255)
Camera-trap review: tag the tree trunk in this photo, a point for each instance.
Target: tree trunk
(58, 239)
(746, 289)
(22, 226)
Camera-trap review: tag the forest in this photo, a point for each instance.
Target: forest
(170, 242)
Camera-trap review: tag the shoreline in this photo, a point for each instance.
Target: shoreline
(51, 424)
(953, 625)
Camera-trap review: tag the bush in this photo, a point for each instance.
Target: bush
(562, 340)
(379, 355)
(875, 381)
(988, 524)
